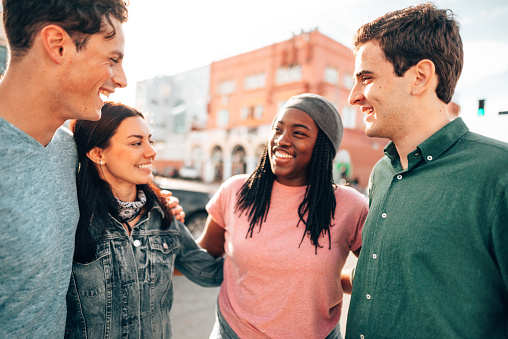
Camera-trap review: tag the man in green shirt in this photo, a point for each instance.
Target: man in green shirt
(434, 260)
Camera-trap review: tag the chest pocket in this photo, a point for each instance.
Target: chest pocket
(161, 254)
(94, 278)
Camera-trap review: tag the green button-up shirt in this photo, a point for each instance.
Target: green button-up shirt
(434, 259)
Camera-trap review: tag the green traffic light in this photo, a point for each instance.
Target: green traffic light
(481, 107)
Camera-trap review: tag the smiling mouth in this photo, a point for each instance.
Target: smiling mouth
(367, 110)
(104, 93)
(283, 155)
(145, 166)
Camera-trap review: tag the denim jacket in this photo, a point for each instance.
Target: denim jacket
(127, 290)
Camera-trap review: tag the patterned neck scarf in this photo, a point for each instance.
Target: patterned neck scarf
(128, 211)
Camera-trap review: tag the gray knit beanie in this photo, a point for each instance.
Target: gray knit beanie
(323, 112)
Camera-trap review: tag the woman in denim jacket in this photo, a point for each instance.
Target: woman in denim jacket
(127, 242)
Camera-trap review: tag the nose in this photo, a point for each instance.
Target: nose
(119, 77)
(356, 96)
(283, 139)
(150, 151)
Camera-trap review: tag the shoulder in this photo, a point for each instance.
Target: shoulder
(226, 194)
(382, 165)
(234, 183)
(485, 157)
(350, 195)
(480, 143)
(63, 147)
(63, 141)
(63, 135)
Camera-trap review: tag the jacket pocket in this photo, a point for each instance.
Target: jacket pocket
(89, 297)
(161, 258)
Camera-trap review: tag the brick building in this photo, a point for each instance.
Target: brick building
(247, 90)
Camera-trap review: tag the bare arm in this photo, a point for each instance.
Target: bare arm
(212, 239)
(345, 276)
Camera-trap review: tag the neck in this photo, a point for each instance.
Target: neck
(25, 106)
(421, 130)
(126, 194)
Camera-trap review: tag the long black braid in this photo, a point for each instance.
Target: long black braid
(319, 200)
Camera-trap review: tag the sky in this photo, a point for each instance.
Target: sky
(166, 37)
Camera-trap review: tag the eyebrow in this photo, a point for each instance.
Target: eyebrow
(120, 54)
(296, 125)
(362, 72)
(137, 136)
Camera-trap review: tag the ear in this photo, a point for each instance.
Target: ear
(56, 42)
(425, 77)
(96, 155)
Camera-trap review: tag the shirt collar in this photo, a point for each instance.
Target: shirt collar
(442, 140)
(435, 145)
(156, 207)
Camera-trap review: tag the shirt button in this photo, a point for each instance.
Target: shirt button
(383, 215)
(165, 246)
(136, 243)
(368, 296)
(374, 256)
(429, 158)
(399, 176)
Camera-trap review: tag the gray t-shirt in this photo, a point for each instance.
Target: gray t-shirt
(38, 215)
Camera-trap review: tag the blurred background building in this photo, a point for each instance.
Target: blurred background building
(213, 122)
(177, 106)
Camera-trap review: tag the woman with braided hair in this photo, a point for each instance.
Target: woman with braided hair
(286, 231)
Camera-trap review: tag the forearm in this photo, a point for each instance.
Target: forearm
(213, 238)
(196, 263)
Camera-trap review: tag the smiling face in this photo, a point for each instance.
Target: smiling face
(385, 98)
(95, 70)
(290, 147)
(128, 159)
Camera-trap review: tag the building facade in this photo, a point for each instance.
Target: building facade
(176, 106)
(246, 91)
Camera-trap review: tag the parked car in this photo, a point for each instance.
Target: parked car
(193, 200)
(189, 173)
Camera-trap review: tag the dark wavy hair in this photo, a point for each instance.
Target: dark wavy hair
(319, 200)
(23, 19)
(412, 34)
(95, 196)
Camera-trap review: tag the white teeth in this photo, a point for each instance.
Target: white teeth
(103, 92)
(368, 110)
(283, 155)
(147, 166)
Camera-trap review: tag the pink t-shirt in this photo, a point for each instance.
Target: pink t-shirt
(272, 286)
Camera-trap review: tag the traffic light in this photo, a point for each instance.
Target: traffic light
(481, 107)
